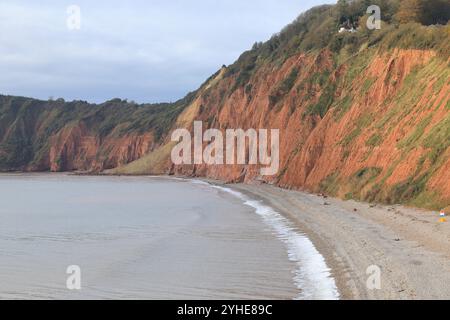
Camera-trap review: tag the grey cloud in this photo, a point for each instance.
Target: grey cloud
(147, 51)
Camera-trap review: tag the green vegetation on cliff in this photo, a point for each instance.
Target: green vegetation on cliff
(27, 125)
(317, 29)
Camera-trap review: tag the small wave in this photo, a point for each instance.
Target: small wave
(200, 182)
(312, 275)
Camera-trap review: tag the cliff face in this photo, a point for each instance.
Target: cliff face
(57, 136)
(75, 148)
(385, 135)
(363, 116)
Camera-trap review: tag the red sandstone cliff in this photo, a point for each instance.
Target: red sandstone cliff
(372, 144)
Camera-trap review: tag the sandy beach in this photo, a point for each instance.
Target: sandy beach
(410, 246)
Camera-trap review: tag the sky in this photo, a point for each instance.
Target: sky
(146, 51)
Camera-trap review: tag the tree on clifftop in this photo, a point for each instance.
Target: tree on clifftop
(348, 12)
(410, 11)
(437, 12)
(342, 6)
(426, 12)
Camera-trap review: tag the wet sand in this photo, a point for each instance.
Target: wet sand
(410, 246)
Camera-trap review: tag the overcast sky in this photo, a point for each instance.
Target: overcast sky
(147, 51)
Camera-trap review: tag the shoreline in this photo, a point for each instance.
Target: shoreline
(409, 245)
(313, 276)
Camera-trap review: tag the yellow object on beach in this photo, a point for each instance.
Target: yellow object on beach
(442, 215)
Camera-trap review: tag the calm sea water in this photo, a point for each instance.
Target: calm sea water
(149, 238)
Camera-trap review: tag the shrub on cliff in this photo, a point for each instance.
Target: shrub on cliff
(426, 12)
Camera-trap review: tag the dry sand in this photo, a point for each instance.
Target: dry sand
(411, 246)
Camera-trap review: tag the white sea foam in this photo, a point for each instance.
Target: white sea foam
(312, 275)
(200, 182)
